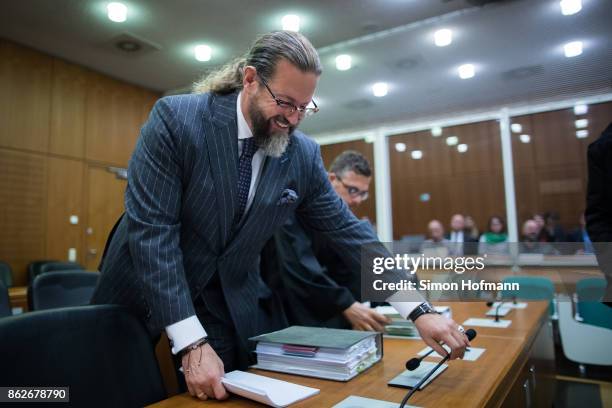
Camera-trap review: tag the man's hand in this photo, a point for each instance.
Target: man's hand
(203, 371)
(435, 328)
(364, 318)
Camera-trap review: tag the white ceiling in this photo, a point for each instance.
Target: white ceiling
(390, 40)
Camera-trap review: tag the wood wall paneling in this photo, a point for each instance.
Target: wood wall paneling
(468, 183)
(104, 206)
(65, 198)
(331, 151)
(70, 83)
(23, 192)
(115, 113)
(25, 100)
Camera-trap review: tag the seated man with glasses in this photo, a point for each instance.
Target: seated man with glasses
(316, 287)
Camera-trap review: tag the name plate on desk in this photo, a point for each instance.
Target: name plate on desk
(471, 354)
(474, 321)
(502, 311)
(409, 379)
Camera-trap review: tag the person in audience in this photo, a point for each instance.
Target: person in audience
(598, 213)
(436, 240)
(457, 238)
(530, 243)
(539, 219)
(317, 287)
(495, 240)
(552, 231)
(581, 235)
(471, 230)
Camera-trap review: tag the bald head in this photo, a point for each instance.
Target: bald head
(531, 230)
(436, 230)
(457, 222)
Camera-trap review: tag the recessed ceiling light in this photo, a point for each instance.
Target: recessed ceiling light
(380, 89)
(516, 128)
(443, 37)
(203, 52)
(452, 140)
(569, 7)
(462, 148)
(416, 154)
(580, 109)
(343, 62)
(581, 134)
(525, 138)
(573, 49)
(117, 12)
(466, 71)
(436, 131)
(581, 123)
(400, 147)
(291, 22)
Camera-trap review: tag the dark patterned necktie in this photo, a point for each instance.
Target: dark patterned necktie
(245, 170)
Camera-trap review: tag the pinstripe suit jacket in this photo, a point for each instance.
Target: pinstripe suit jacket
(181, 197)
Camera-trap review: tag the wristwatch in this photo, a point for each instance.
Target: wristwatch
(420, 310)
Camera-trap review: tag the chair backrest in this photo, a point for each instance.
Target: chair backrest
(34, 268)
(60, 266)
(62, 288)
(103, 353)
(5, 306)
(531, 288)
(590, 291)
(6, 274)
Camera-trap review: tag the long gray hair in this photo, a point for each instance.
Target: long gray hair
(263, 55)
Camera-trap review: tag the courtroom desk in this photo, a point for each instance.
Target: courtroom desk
(18, 297)
(499, 374)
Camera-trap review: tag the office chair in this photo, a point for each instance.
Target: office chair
(6, 274)
(583, 343)
(5, 305)
(61, 289)
(102, 352)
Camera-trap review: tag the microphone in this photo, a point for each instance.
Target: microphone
(470, 333)
(489, 304)
(415, 362)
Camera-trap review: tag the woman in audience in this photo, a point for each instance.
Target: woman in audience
(495, 240)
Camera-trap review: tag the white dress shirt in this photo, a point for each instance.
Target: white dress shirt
(187, 331)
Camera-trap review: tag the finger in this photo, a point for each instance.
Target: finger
(454, 345)
(367, 327)
(381, 318)
(435, 345)
(188, 382)
(219, 390)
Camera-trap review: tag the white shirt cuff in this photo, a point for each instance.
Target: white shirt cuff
(404, 308)
(182, 334)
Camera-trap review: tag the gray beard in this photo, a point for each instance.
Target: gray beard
(273, 145)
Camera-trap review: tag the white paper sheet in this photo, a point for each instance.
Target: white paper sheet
(268, 391)
(470, 355)
(474, 321)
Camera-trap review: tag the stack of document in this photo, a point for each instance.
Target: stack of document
(333, 354)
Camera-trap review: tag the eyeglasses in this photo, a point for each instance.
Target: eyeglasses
(354, 191)
(288, 107)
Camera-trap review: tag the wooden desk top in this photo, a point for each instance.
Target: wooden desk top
(464, 383)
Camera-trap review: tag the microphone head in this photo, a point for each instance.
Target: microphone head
(489, 304)
(470, 333)
(413, 364)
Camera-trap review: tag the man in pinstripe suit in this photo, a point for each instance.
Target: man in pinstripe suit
(213, 175)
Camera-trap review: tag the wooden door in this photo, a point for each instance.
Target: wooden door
(104, 206)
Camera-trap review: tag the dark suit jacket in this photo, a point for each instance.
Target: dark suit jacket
(598, 213)
(314, 282)
(181, 198)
